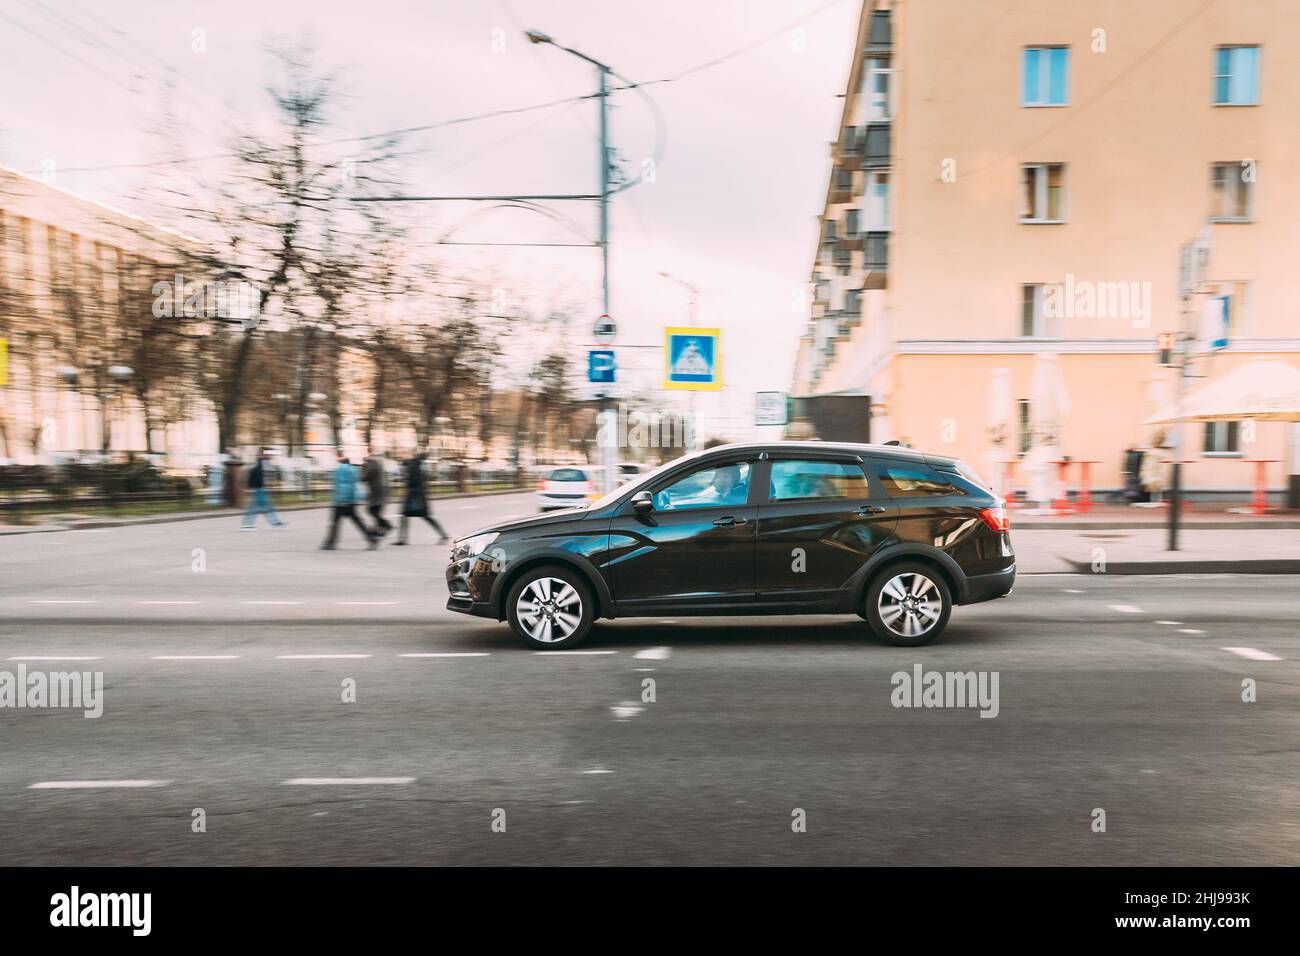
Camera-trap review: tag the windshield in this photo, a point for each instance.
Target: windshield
(634, 485)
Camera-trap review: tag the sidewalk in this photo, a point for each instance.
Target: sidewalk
(75, 522)
(1203, 515)
(1120, 550)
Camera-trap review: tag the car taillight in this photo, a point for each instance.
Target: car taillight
(997, 518)
(541, 485)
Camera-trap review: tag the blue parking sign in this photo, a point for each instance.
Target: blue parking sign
(600, 366)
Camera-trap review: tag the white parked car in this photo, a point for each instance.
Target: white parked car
(566, 487)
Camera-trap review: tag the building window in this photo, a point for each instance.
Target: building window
(1034, 322)
(853, 302)
(878, 81)
(1043, 75)
(851, 227)
(1236, 76)
(843, 180)
(1232, 192)
(878, 200)
(1026, 422)
(1042, 192)
(828, 229)
(1222, 438)
(1225, 310)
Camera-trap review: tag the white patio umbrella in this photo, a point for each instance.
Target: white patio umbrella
(1266, 391)
(1003, 440)
(1049, 408)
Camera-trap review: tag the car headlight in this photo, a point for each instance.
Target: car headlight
(473, 545)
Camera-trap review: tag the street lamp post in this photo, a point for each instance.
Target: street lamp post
(692, 312)
(609, 457)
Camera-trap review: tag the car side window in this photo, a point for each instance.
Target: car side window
(792, 480)
(914, 481)
(714, 486)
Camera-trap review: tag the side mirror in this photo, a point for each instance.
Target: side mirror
(643, 503)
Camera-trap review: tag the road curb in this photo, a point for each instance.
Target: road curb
(1246, 566)
(93, 523)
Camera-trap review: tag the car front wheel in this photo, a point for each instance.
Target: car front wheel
(908, 604)
(550, 608)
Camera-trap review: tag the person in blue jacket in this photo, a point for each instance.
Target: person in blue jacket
(345, 505)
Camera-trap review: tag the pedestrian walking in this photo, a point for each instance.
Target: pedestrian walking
(375, 474)
(415, 504)
(345, 505)
(261, 497)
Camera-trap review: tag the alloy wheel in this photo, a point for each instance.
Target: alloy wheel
(909, 604)
(550, 610)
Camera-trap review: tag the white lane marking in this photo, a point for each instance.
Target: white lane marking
(598, 770)
(627, 709)
(365, 603)
(46, 657)
(95, 784)
(653, 654)
(89, 530)
(1170, 623)
(320, 657)
(1252, 654)
(195, 657)
(271, 603)
(1125, 608)
(60, 601)
(160, 603)
(450, 654)
(1189, 630)
(1073, 591)
(345, 781)
(573, 653)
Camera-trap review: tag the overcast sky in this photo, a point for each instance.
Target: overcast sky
(732, 210)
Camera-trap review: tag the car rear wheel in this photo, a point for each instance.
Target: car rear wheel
(550, 608)
(908, 604)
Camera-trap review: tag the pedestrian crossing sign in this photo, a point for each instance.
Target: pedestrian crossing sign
(693, 359)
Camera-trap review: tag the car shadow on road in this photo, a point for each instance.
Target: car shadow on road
(755, 632)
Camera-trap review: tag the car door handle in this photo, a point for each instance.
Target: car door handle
(728, 521)
(865, 510)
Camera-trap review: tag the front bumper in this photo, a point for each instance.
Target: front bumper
(469, 586)
(986, 587)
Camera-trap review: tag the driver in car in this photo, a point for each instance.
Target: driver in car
(729, 487)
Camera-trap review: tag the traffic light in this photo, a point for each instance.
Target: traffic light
(1165, 343)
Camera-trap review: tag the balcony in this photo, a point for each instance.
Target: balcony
(875, 259)
(876, 146)
(880, 38)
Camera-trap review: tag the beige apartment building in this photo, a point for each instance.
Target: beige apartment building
(1008, 195)
(70, 271)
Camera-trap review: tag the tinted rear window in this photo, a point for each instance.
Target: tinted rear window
(568, 474)
(916, 481)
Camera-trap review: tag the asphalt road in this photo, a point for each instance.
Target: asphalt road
(224, 670)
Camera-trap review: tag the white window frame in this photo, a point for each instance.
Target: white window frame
(1041, 172)
(1235, 186)
(1215, 75)
(1220, 430)
(880, 109)
(1043, 326)
(878, 214)
(1045, 76)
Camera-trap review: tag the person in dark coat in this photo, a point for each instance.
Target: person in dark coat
(375, 475)
(416, 504)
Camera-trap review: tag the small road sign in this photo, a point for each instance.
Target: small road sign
(693, 359)
(600, 366)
